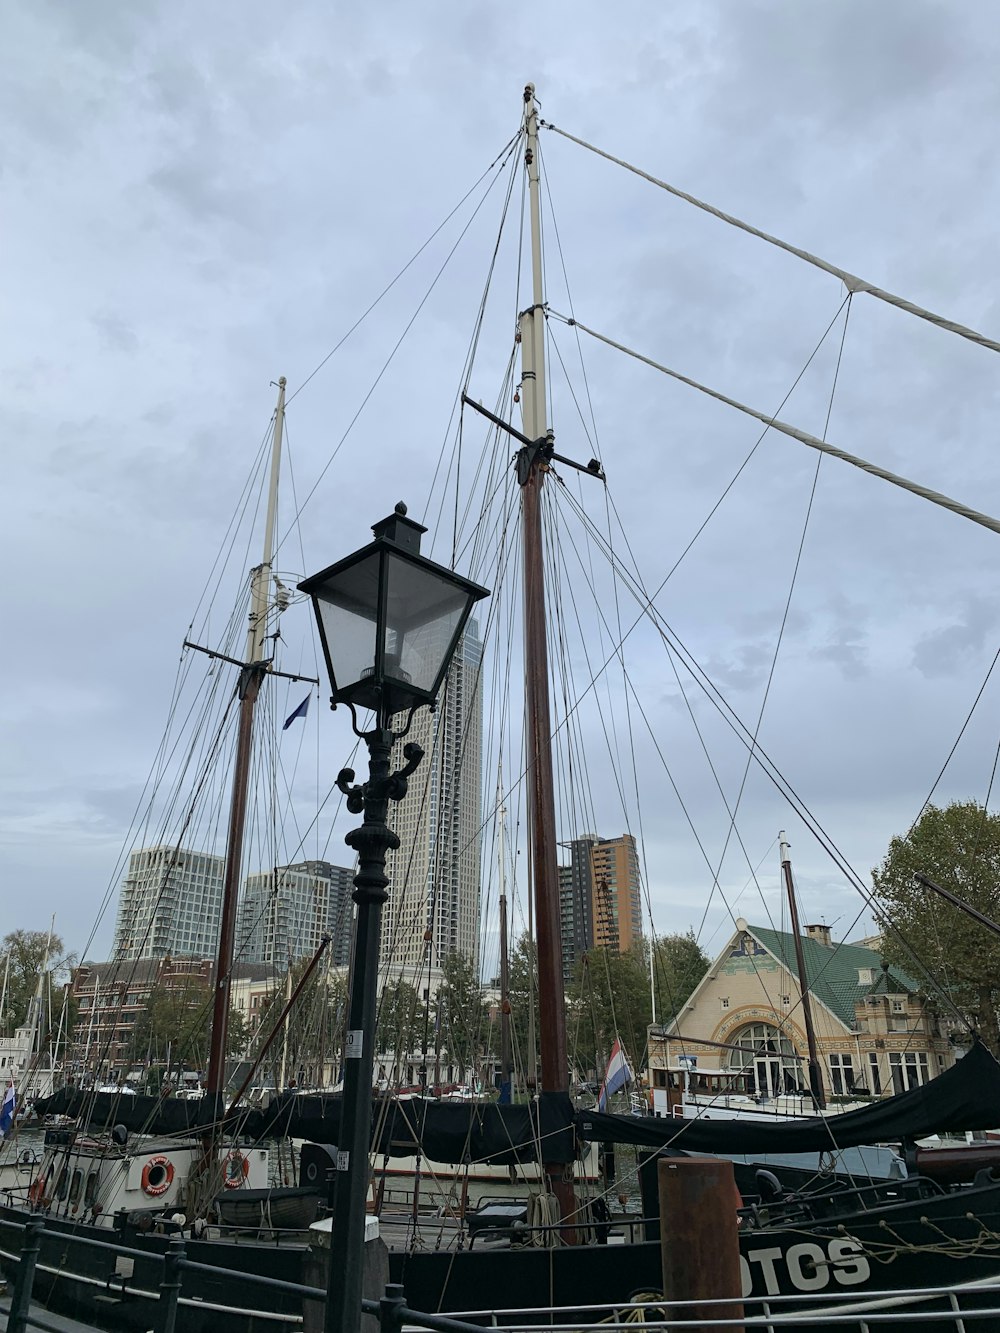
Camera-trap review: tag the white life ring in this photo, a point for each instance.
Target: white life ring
(157, 1176)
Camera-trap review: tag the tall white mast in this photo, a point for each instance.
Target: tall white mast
(3, 993)
(253, 672)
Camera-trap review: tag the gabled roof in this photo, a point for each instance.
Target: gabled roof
(832, 972)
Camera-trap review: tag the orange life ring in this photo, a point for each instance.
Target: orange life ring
(235, 1170)
(157, 1176)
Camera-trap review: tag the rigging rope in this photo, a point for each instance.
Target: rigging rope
(850, 280)
(935, 497)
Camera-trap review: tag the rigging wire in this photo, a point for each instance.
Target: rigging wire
(784, 616)
(793, 432)
(850, 280)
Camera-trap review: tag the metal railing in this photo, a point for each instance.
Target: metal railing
(965, 1308)
(391, 1310)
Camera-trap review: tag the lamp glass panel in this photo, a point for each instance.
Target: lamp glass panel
(424, 609)
(348, 608)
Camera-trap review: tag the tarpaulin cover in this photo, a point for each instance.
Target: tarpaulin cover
(965, 1097)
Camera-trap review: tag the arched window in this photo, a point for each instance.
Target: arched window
(769, 1058)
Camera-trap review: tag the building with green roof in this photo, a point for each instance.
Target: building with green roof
(742, 1034)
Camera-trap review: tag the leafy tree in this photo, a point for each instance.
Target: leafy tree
(176, 1018)
(523, 993)
(399, 1028)
(609, 997)
(461, 1012)
(315, 1025)
(26, 950)
(959, 848)
(679, 963)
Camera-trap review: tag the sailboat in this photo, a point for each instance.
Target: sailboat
(809, 1247)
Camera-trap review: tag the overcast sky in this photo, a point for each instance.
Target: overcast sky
(198, 199)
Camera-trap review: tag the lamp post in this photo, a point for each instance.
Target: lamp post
(389, 621)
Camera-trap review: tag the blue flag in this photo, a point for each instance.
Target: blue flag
(301, 711)
(7, 1108)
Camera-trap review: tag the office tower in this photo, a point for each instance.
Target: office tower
(285, 912)
(171, 903)
(434, 874)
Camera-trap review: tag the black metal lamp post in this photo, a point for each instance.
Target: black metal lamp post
(389, 621)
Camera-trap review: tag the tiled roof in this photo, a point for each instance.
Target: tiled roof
(832, 972)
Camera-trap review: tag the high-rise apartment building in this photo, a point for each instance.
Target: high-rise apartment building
(600, 897)
(171, 903)
(617, 898)
(434, 874)
(576, 895)
(285, 912)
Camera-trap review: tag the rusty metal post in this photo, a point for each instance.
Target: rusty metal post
(699, 1240)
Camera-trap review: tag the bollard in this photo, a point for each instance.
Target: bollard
(170, 1286)
(390, 1309)
(699, 1239)
(17, 1320)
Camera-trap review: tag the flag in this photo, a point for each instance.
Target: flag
(7, 1110)
(617, 1074)
(301, 711)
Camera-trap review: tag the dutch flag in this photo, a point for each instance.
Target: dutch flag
(617, 1074)
(7, 1108)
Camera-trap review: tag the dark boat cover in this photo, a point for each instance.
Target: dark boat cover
(965, 1097)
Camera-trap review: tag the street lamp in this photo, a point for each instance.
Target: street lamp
(389, 621)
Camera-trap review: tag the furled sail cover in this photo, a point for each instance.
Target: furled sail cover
(964, 1097)
(967, 1096)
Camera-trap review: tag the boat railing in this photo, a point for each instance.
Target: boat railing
(391, 1310)
(963, 1307)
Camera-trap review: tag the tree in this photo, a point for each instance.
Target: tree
(679, 964)
(173, 1027)
(459, 1010)
(399, 1028)
(523, 994)
(26, 950)
(959, 848)
(609, 998)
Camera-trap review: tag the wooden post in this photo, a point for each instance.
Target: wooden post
(699, 1240)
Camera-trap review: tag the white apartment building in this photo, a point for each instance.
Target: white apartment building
(284, 913)
(171, 903)
(434, 875)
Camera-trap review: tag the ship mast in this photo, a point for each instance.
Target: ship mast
(506, 1089)
(532, 465)
(815, 1074)
(252, 673)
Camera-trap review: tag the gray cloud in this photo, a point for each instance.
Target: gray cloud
(198, 201)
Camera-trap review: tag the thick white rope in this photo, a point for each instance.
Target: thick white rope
(850, 280)
(935, 497)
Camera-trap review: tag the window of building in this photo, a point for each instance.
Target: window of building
(899, 1006)
(725, 1002)
(841, 1074)
(909, 1069)
(768, 1059)
(874, 1073)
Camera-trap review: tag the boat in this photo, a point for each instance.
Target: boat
(802, 1242)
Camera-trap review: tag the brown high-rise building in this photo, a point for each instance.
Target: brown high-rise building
(600, 897)
(616, 898)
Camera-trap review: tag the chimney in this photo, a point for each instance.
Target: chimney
(821, 934)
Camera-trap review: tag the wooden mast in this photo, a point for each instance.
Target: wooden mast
(506, 1087)
(815, 1072)
(252, 674)
(532, 467)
